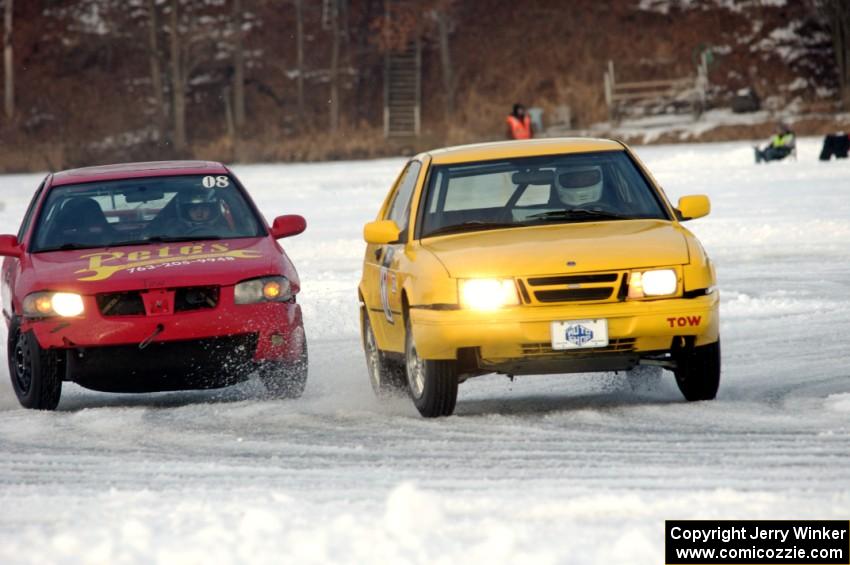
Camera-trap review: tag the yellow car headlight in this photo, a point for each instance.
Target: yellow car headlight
(488, 294)
(44, 304)
(659, 282)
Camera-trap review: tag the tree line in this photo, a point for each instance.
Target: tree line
(183, 77)
(211, 52)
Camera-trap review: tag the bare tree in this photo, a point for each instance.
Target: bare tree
(446, 60)
(178, 82)
(156, 67)
(199, 46)
(334, 69)
(8, 61)
(228, 118)
(837, 13)
(299, 54)
(238, 68)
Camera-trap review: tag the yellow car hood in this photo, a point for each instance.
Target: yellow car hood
(541, 250)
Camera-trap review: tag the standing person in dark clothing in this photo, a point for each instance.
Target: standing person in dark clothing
(519, 123)
(835, 144)
(781, 145)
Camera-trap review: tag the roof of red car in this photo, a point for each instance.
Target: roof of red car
(138, 170)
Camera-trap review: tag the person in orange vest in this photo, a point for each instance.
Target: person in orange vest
(519, 124)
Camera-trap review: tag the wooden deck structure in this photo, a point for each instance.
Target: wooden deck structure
(689, 91)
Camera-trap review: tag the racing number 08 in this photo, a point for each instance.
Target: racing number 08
(220, 181)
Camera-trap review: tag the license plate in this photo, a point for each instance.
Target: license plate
(580, 334)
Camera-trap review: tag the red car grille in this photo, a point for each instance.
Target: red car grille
(132, 303)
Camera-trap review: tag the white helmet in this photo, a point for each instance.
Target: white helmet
(581, 185)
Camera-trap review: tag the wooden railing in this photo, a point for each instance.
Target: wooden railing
(688, 91)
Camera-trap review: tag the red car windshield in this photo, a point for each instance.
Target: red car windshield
(136, 211)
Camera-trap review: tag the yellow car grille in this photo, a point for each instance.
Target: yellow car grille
(623, 345)
(591, 287)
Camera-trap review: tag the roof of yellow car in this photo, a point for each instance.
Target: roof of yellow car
(521, 148)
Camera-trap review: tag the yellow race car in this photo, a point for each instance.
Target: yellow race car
(533, 257)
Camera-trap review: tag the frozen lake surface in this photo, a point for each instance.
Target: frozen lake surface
(554, 469)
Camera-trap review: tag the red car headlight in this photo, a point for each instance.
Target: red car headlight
(265, 289)
(48, 304)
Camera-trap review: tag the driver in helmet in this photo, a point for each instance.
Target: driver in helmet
(580, 186)
(198, 210)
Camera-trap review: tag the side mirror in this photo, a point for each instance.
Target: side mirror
(694, 206)
(381, 232)
(9, 246)
(285, 226)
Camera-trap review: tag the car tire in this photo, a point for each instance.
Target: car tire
(698, 372)
(285, 379)
(36, 373)
(387, 377)
(432, 384)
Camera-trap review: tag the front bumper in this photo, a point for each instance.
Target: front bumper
(278, 328)
(523, 332)
(161, 366)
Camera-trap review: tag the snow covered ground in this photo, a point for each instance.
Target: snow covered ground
(555, 469)
(648, 129)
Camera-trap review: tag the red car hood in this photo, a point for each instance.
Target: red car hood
(160, 265)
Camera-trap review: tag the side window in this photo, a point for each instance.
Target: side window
(30, 211)
(437, 190)
(399, 210)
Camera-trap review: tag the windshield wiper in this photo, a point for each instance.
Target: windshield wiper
(162, 239)
(472, 225)
(176, 238)
(66, 247)
(168, 239)
(577, 214)
(154, 239)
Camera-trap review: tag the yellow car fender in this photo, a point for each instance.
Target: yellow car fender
(699, 272)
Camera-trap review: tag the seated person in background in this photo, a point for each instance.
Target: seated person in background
(781, 145)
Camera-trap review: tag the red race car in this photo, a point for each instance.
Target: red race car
(149, 277)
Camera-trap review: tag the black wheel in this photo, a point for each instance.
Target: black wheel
(387, 376)
(698, 372)
(285, 379)
(36, 373)
(432, 384)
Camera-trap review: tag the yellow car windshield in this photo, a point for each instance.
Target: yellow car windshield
(583, 187)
